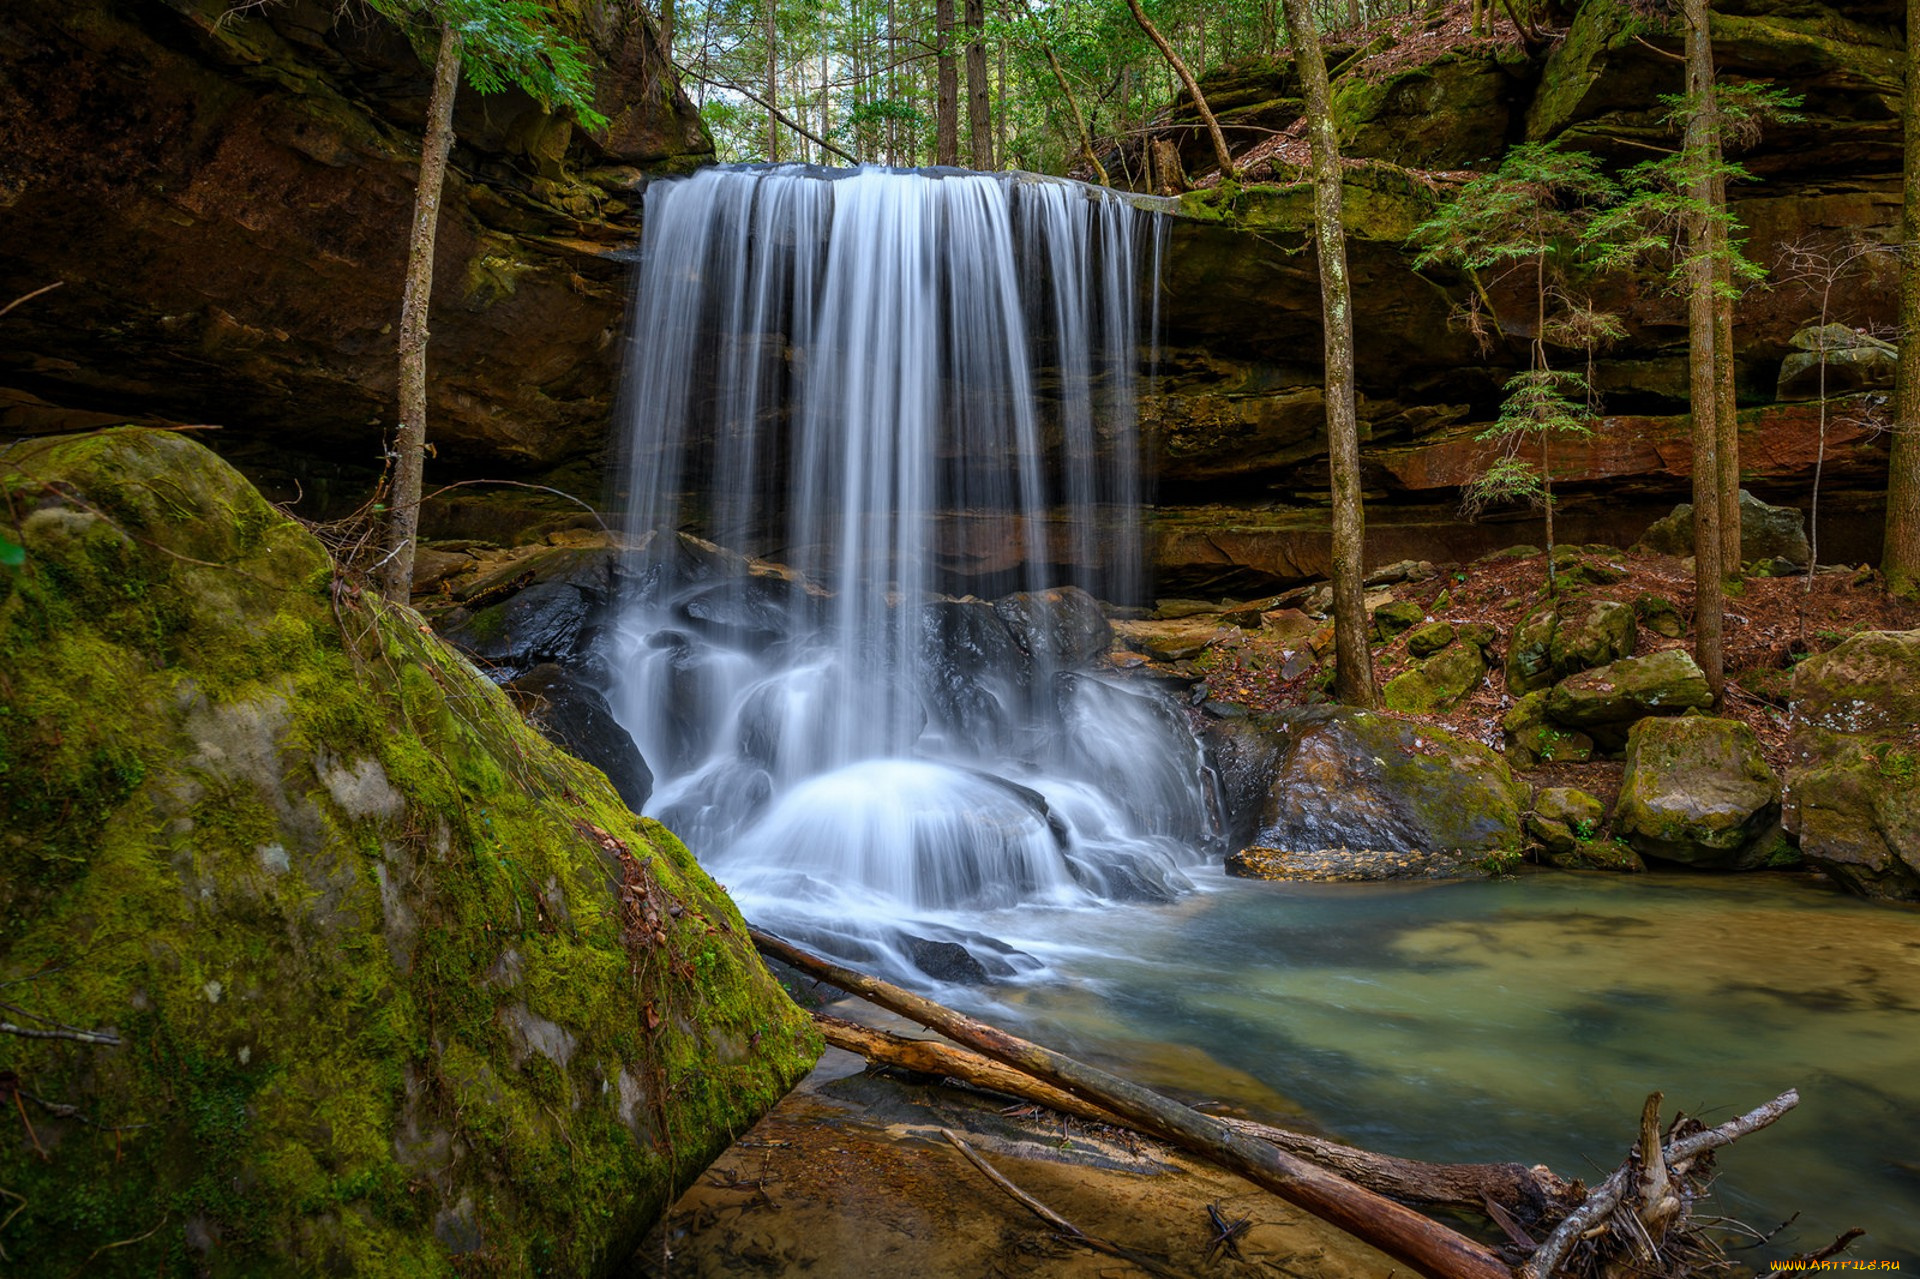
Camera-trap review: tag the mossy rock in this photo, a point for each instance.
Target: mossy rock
(398, 988)
(1660, 615)
(1355, 779)
(1853, 775)
(1556, 640)
(1562, 816)
(1697, 791)
(1598, 854)
(1530, 736)
(1439, 683)
(1425, 641)
(1664, 683)
(1766, 532)
(1397, 616)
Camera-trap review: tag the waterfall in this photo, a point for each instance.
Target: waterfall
(879, 397)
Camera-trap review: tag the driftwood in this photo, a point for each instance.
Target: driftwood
(1422, 1243)
(1526, 1194)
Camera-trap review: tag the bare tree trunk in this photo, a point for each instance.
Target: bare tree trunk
(1708, 589)
(773, 83)
(979, 96)
(1353, 676)
(947, 104)
(1000, 99)
(1726, 410)
(1424, 1244)
(1220, 151)
(410, 444)
(1353, 13)
(1900, 555)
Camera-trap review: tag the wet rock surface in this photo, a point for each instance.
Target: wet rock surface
(1696, 791)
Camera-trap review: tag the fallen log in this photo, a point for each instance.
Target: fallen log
(1420, 1242)
(1528, 1194)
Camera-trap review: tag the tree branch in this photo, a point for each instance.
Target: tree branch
(777, 113)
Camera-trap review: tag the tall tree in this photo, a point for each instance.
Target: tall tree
(1900, 554)
(979, 92)
(498, 43)
(767, 15)
(946, 111)
(1703, 296)
(1353, 677)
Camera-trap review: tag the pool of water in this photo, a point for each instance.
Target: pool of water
(1524, 1019)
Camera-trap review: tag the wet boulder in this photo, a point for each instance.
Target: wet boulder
(1355, 779)
(1063, 627)
(1853, 776)
(1697, 791)
(542, 623)
(570, 710)
(1567, 823)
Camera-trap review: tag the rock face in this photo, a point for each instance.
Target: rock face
(1353, 779)
(385, 983)
(1854, 778)
(1835, 360)
(227, 195)
(1697, 791)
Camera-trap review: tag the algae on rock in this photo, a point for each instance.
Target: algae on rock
(396, 986)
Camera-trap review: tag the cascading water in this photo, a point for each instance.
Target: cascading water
(907, 389)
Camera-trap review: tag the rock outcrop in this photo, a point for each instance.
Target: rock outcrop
(342, 967)
(225, 196)
(1853, 783)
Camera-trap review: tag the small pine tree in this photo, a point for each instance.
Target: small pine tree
(1529, 215)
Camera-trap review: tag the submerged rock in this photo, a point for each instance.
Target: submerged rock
(391, 984)
(1697, 791)
(1350, 865)
(1354, 779)
(1853, 779)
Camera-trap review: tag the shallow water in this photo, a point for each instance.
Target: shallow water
(1525, 1019)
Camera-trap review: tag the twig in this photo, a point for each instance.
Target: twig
(78, 1036)
(118, 1243)
(1054, 1219)
(28, 297)
(776, 112)
(521, 484)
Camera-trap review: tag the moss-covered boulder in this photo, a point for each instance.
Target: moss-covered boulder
(1664, 683)
(1439, 683)
(1766, 532)
(1567, 824)
(1427, 640)
(1354, 779)
(1531, 737)
(1395, 617)
(376, 981)
(1853, 776)
(1697, 791)
(1556, 640)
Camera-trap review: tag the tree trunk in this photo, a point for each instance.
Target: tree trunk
(773, 84)
(1900, 557)
(410, 445)
(1424, 1244)
(946, 112)
(979, 96)
(1726, 410)
(1220, 152)
(1708, 596)
(1353, 677)
(1353, 13)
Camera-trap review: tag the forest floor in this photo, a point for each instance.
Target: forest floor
(1772, 624)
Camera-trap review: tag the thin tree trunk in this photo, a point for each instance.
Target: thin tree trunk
(1073, 104)
(1900, 555)
(1353, 13)
(1708, 589)
(1220, 151)
(979, 95)
(773, 84)
(1353, 676)
(1424, 1244)
(1726, 410)
(410, 445)
(1000, 99)
(947, 104)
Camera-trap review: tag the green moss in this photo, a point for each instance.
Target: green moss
(348, 914)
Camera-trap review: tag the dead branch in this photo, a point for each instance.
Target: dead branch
(28, 297)
(101, 1037)
(1424, 1244)
(1054, 1219)
(1606, 1197)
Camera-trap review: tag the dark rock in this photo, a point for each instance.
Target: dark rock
(1766, 532)
(1354, 779)
(1244, 755)
(1063, 628)
(967, 658)
(1853, 777)
(542, 623)
(1663, 683)
(1854, 362)
(1696, 791)
(946, 961)
(570, 711)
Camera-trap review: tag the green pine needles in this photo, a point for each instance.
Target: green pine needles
(506, 44)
